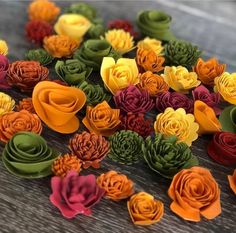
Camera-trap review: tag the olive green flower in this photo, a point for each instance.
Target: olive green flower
(40, 55)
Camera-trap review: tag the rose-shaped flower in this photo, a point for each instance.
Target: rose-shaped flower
(26, 74)
(194, 192)
(73, 25)
(102, 119)
(144, 209)
(26, 104)
(178, 123)
(3, 47)
(43, 10)
(174, 100)
(7, 104)
(180, 79)
(155, 24)
(181, 53)
(222, 148)
(153, 83)
(90, 148)
(132, 99)
(93, 51)
(60, 45)
(228, 119)
(208, 70)
(39, 55)
(149, 60)
(167, 157)
(137, 123)
(232, 181)
(56, 105)
(211, 99)
(4, 66)
(151, 44)
(119, 75)
(117, 186)
(74, 194)
(27, 155)
(72, 71)
(37, 30)
(126, 147)
(226, 85)
(96, 31)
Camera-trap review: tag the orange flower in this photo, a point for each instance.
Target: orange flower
(13, 122)
(232, 181)
(149, 60)
(26, 104)
(64, 164)
(117, 186)
(60, 45)
(43, 10)
(153, 83)
(195, 192)
(209, 70)
(102, 119)
(144, 209)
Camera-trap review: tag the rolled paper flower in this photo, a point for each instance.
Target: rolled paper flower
(181, 53)
(149, 60)
(60, 45)
(7, 104)
(102, 119)
(3, 47)
(26, 74)
(89, 148)
(132, 99)
(180, 79)
(126, 147)
(72, 71)
(81, 194)
(232, 181)
(27, 155)
(178, 123)
(37, 30)
(56, 105)
(119, 75)
(137, 123)
(174, 100)
(93, 51)
(194, 192)
(211, 99)
(208, 70)
(39, 55)
(25, 104)
(222, 148)
(4, 66)
(120, 40)
(144, 209)
(151, 44)
(43, 10)
(72, 25)
(63, 164)
(96, 31)
(153, 83)
(155, 24)
(117, 186)
(225, 85)
(228, 119)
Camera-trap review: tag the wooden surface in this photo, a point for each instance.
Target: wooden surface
(24, 204)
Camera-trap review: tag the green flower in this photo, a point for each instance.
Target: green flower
(40, 55)
(166, 157)
(126, 147)
(72, 71)
(96, 31)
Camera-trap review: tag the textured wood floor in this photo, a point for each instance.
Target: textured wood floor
(24, 204)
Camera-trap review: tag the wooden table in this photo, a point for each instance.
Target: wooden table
(24, 204)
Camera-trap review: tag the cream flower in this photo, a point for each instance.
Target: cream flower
(7, 104)
(3, 47)
(151, 44)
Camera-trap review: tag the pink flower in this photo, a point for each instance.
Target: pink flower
(4, 65)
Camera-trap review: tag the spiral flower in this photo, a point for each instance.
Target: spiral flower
(7, 104)
(232, 181)
(228, 119)
(96, 31)
(3, 47)
(25, 104)
(39, 55)
(151, 44)
(4, 66)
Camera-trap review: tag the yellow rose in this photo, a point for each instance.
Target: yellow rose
(179, 79)
(151, 44)
(7, 104)
(120, 74)
(3, 47)
(226, 86)
(72, 25)
(178, 123)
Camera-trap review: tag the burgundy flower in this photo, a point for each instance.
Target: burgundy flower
(174, 100)
(4, 65)
(222, 148)
(74, 194)
(131, 99)
(211, 99)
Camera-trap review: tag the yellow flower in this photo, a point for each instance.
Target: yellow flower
(151, 44)
(3, 47)
(178, 123)
(120, 40)
(7, 104)
(179, 79)
(226, 86)
(72, 25)
(120, 74)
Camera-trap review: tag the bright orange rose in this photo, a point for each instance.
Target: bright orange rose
(232, 181)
